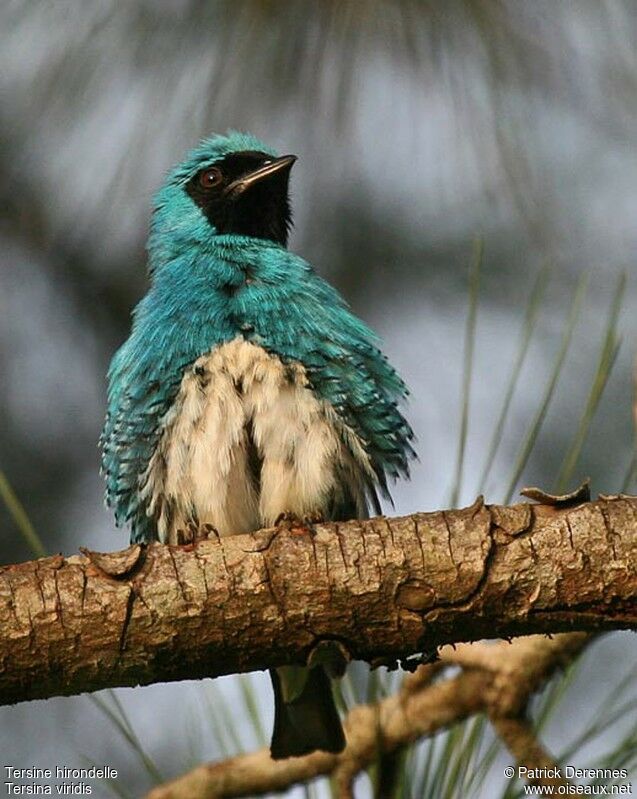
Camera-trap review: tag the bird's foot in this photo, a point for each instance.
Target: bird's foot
(185, 536)
(194, 533)
(299, 524)
(289, 521)
(207, 530)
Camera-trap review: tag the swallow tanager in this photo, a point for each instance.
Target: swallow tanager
(247, 389)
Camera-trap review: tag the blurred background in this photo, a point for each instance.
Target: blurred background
(420, 127)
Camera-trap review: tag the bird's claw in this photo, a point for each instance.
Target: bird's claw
(194, 533)
(299, 524)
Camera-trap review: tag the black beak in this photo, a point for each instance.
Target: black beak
(276, 166)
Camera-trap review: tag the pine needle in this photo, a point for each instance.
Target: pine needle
(113, 785)
(20, 517)
(536, 425)
(251, 704)
(117, 716)
(223, 724)
(533, 306)
(631, 475)
(607, 356)
(469, 346)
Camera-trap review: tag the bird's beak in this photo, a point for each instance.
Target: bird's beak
(269, 168)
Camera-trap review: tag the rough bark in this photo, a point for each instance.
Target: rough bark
(383, 589)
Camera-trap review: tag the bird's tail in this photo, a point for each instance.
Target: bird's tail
(305, 716)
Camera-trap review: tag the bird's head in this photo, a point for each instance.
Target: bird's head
(227, 185)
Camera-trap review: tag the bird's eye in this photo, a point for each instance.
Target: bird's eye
(210, 178)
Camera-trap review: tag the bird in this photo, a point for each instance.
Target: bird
(247, 390)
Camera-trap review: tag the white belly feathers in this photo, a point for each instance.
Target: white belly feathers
(246, 440)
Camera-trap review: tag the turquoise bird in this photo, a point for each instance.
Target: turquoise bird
(247, 389)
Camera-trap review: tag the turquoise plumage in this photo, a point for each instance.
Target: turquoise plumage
(220, 273)
(287, 309)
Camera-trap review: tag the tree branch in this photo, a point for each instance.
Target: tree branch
(384, 589)
(421, 708)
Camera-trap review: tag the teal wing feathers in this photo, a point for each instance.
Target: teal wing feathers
(144, 379)
(140, 394)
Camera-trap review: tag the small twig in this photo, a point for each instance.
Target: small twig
(532, 759)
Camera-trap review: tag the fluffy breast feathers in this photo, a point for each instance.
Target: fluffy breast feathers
(248, 388)
(245, 440)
